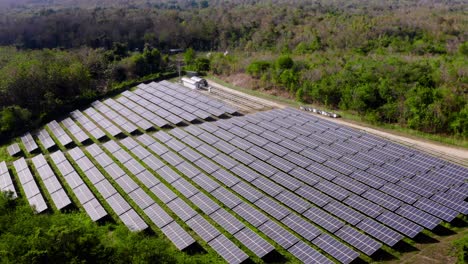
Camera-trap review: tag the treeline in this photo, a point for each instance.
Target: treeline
(73, 238)
(245, 25)
(427, 94)
(36, 84)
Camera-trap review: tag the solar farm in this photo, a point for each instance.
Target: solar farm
(196, 169)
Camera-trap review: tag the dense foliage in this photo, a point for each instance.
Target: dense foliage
(74, 238)
(427, 94)
(35, 84)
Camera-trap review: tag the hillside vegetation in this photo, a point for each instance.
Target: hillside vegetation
(73, 238)
(394, 62)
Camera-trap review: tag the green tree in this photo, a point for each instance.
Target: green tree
(189, 56)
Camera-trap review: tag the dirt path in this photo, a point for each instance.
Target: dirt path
(453, 154)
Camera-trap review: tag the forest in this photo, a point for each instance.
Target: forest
(389, 62)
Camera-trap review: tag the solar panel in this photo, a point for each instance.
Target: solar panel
(342, 211)
(133, 221)
(94, 209)
(178, 236)
(248, 192)
(436, 209)
(336, 249)
(231, 224)
(451, 202)
(225, 177)
(323, 219)
(203, 202)
(188, 170)
(358, 240)
(118, 204)
(207, 150)
(181, 209)
(163, 193)
(306, 254)
(400, 224)
(172, 158)
(134, 166)
(206, 183)
(250, 214)
(364, 206)
(127, 184)
(278, 234)
(157, 215)
(225, 161)
(301, 226)
(228, 250)
(379, 231)
(273, 208)
(245, 173)
(293, 201)
(207, 165)
(313, 195)
(263, 168)
(60, 199)
(226, 197)
(13, 149)
(175, 145)
(168, 174)
(268, 186)
(185, 188)
(254, 242)
(6, 183)
(203, 228)
(38, 203)
(29, 143)
(46, 141)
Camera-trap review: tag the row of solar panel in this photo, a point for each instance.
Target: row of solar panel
(6, 183)
(227, 249)
(261, 167)
(347, 167)
(243, 189)
(185, 212)
(220, 193)
(161, 103)
(31, 190)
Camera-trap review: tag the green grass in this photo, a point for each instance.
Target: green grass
(4, 156)
(457, 141)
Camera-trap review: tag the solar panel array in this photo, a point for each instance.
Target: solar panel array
(113, 198)
(29, 143)
(6, 183)
(52, 184)
(14, 149)
(59, 133)
(245, 185)
(31, 190)
(82, 192)
(75, 130)
(319, 173)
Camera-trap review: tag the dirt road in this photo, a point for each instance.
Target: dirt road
(453, 154)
